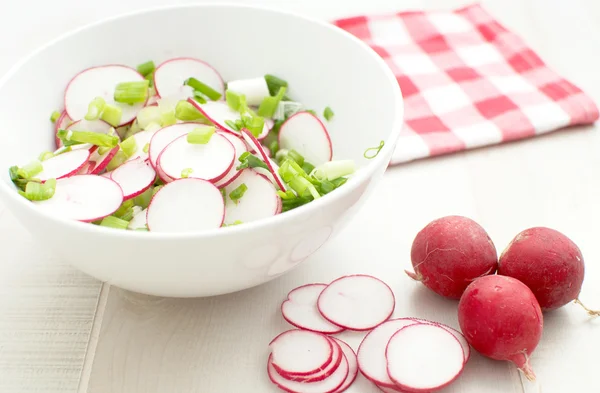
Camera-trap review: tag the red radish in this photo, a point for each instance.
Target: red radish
(306, 134)
(166, 135)
(328, 385)
(451, 252)
(458, 335)
(389, 390)
(357, 302)
(548, 262)
(352, 365)
(152, 101)
(62, 123)
(273, 168)
(63, 165)
(336, 360)
(84, 198)
(98, 126)
(240, 148)
(142, 139)
(219, 113)
(100, 82)
(210, 161)
(371, 352)
(176, 207)
(300, 352)
(300, 309)
(169, 77)
(501, 319)
(138, 221)
(134, 177)
(101, 160)
(254, 89)
(423, 357)
(259, 201)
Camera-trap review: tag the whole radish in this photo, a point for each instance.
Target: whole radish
(451, 252)
(501, 319)
(548, 262)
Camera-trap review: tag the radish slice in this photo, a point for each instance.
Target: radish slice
(98, 126)
(423, 357)
(218, 112)
(84, 198)
(166, 135)
(169, 77)
(306, 134)
(357, 302)
(255, 89)
(186, 205)
(134, 177)
(336, 360)
(300, 352)
(138, 221)
(210, 161)
(259, 201)
(101, 160)
(458, 335)
(352, 365)
(142, 139)
(328, 385)
(62, 123)
(389, 390)
(273, 168)
(371, 352)
(240, 148)
(63, 165)
(152, 101)
(107, 174)
(300, 309)
(100, 82)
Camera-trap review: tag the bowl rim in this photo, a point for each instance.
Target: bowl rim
(309, 208)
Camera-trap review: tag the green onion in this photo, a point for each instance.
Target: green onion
(150, 79)
(95, 109)
(328, 113)
(286, 195)
(157, 189)
(125, 206)
(185, 173)
(132, 92)
(146, 147)
(273, 147)
(142, 229)
(45, 155)
(118, 160)
(18, 180)
(103, 150)
(202, 88)
(238, 193)
(185, 111)
(168, 118)
(200, 135)
(35, 191)
(307, 167)
(249, 160)
(235, 126)
(294, 155)
(30, 170)
(281, 154)
(95, 138)
(293, 174)
(375, 151)
(325, 187)
(339, 181)
(274, 83)
(268, 106)
(148, 115)
(143, 200)
(236, 222)
(146, 68)
(114, 222)
(112, 115)
(54, 116)
(289, 204)
(254, 124)
(233, 99)
(224, 194)
(129, 146)
(334, 169)
(199, 97)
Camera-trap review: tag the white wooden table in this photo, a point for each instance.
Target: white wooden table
(61, 331)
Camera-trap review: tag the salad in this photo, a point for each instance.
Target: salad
(175, 149)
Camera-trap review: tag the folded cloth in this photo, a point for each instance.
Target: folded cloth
(467, 81)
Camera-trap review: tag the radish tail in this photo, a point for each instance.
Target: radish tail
(522, 362)
(414, 276)
(591, 313)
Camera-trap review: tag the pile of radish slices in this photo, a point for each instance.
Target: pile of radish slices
(398, 355)
(174, 149)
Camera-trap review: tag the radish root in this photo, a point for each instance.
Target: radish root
(525, 368)
(592, 313)
(414, 276)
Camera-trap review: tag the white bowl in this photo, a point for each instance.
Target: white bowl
(324, 65)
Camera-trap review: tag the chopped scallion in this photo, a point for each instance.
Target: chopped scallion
(308, 167)
(148, 115)
(103, 150)
(95, 138)
(334, 169)
(199, 97)
(132, 92)
(112, 115)
(118, 160)
(273, 147)
(114, 222)
(54, 116)
(328, 113)
(200, 135)
(238, 193)
(185, 111)
(146, 68)
(203, 88)
(233, 99)
(156, 189)
(129, 146)
(254, 124)
(249, 160)
(372, 152)
(95, 109)
(274, 84)
(268, 106)
(45, 155)
(185, 173)
(146, 148)
(294, 155)
(233, 125)
(30, 170)
(35, 191)
(236, 222)
(143, 200)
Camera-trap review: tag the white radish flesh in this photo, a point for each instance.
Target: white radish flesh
(300, 352)
(142, 139)
(328, 385)
(259, 201)
(306, 134)
(240, 148)
(186, 205)
(300, 309)
(100, 82)
(423, 357)
(255, 89)
(352, 365)
(219, 113)
(458, 335)
(84, 198)
(357, 302)
(371, 352)
(138, 221)
(134, 177)
(210, 161)
(325, 372)
(273, 168)
(63, 165)
(166, 135)
(170, 76)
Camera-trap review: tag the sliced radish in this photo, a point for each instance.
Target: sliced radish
(328, 385)
(101, 160)
(352, 365)
(152, 101)
(166, 135)
(107, 174)
(357, 302)
(210, 161)
(100, 82)
(218, 112)
(306, 134)
(423, 357)
(336, 360)
(458, 335)
(240, 148)
(389, 390)
(134, 177)
(300, 352)
(62, 123)
(142, 139)
(63, 165)
(84, 198)
(371, 352)
(186, 205)
(273, 168)
(138, 221)
(169, 77)
(255, 89)
(300, 309)
(259, 201)
(98, 126)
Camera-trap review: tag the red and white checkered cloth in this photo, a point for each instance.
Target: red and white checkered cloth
(467, 81)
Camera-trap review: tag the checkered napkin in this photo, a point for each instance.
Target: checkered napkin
(467, 81)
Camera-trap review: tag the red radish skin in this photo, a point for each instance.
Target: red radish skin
(300, 352)
(548, 262)
(262, 154)
(337, 355)
(451, 252)
(501, 319)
